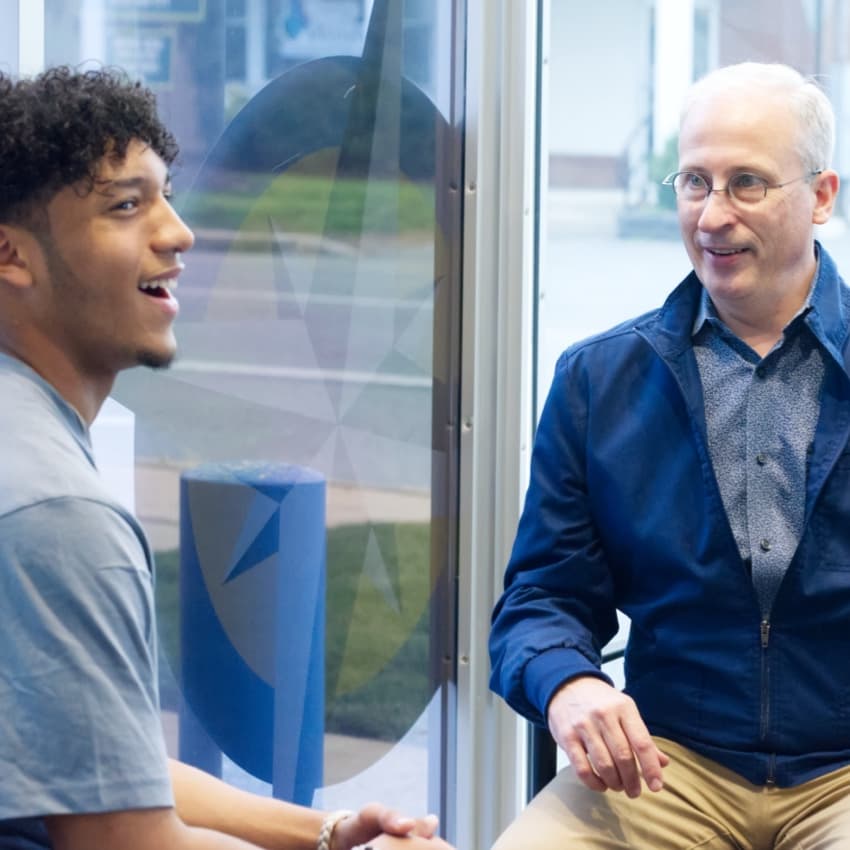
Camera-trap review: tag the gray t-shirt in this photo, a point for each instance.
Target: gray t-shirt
(79, 706)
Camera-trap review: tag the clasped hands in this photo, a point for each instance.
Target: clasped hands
(597, 726)
(604, 737)
(382, 828)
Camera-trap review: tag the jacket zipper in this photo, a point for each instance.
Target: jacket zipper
(764, 630)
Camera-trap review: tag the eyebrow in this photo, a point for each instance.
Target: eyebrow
(735, 169)
(140, 182)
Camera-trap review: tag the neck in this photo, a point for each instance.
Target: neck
(84, 392)
(760, 320)
(761, 341)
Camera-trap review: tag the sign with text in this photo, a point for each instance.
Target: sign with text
(188, 11)
(144, 52)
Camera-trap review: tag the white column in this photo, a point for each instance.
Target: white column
(30, 37)
(113, 437)
(93, 31)
(674, 62)
(496, 398)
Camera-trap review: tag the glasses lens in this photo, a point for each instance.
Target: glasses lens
(748, 188)
(690, 186)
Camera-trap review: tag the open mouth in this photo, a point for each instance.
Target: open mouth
(158, 288)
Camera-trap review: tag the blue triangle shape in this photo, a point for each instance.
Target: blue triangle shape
(263, 546)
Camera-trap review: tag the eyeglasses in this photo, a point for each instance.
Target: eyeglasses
(744, 187)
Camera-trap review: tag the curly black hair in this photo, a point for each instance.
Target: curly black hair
(57, 126)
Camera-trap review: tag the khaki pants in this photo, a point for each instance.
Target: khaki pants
(703, 805)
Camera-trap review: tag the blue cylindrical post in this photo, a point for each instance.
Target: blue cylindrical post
(252, 606)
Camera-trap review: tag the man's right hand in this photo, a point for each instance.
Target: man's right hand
(604, 736)
(377, 826)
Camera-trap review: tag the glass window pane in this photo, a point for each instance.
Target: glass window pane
(234, 51)
(9, 36)
(284, 464)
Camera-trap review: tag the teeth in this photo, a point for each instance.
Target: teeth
(726, 253)
(166, 283)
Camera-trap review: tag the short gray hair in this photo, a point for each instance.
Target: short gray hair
(814, 112)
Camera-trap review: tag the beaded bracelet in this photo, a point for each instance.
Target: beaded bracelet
(328, 827)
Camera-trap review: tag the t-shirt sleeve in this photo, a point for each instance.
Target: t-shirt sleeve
(80, 728)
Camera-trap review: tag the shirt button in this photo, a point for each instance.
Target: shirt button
(761, 458)
(760, 371)
(764, 545)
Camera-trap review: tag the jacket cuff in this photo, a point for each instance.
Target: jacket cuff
(546, 672)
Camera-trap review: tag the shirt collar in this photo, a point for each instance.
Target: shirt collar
(76, 424)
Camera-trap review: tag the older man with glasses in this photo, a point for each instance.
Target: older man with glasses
(692, 470)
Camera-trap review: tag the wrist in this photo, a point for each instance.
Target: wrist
(329, 825)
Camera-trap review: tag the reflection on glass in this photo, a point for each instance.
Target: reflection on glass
(309, 134)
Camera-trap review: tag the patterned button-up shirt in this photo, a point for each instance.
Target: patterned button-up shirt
(761, 415)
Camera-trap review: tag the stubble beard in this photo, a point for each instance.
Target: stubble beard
(63, 276)
(155, 360)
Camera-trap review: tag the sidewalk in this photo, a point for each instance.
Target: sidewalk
(158, 504)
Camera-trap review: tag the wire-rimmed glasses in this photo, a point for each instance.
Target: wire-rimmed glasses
(744, 187)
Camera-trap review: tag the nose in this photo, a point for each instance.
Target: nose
(172, 235)
(718, 211)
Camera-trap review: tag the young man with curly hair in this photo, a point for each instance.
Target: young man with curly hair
(90, 252)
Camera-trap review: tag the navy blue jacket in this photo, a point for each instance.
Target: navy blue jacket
(623, 511)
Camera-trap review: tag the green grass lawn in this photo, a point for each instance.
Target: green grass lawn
(314, 204)
(376, 654)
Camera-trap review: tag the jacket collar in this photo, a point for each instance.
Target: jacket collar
(670, 328)
(829, 317)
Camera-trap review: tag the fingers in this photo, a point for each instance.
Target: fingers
(584, 770)
(621, 752)
(427, 826)
(388, 820)
(393, 823)
(606, 740)
(375, 820)
(650, 759)
(609, 757)
(616, 761)
(413, 842)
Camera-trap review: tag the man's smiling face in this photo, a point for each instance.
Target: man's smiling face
(109, 261)
(758, 254)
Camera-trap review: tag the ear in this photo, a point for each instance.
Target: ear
(825, 187)
(15, 267)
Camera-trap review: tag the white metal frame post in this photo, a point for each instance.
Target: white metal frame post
(496, 392)
(674, 64)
